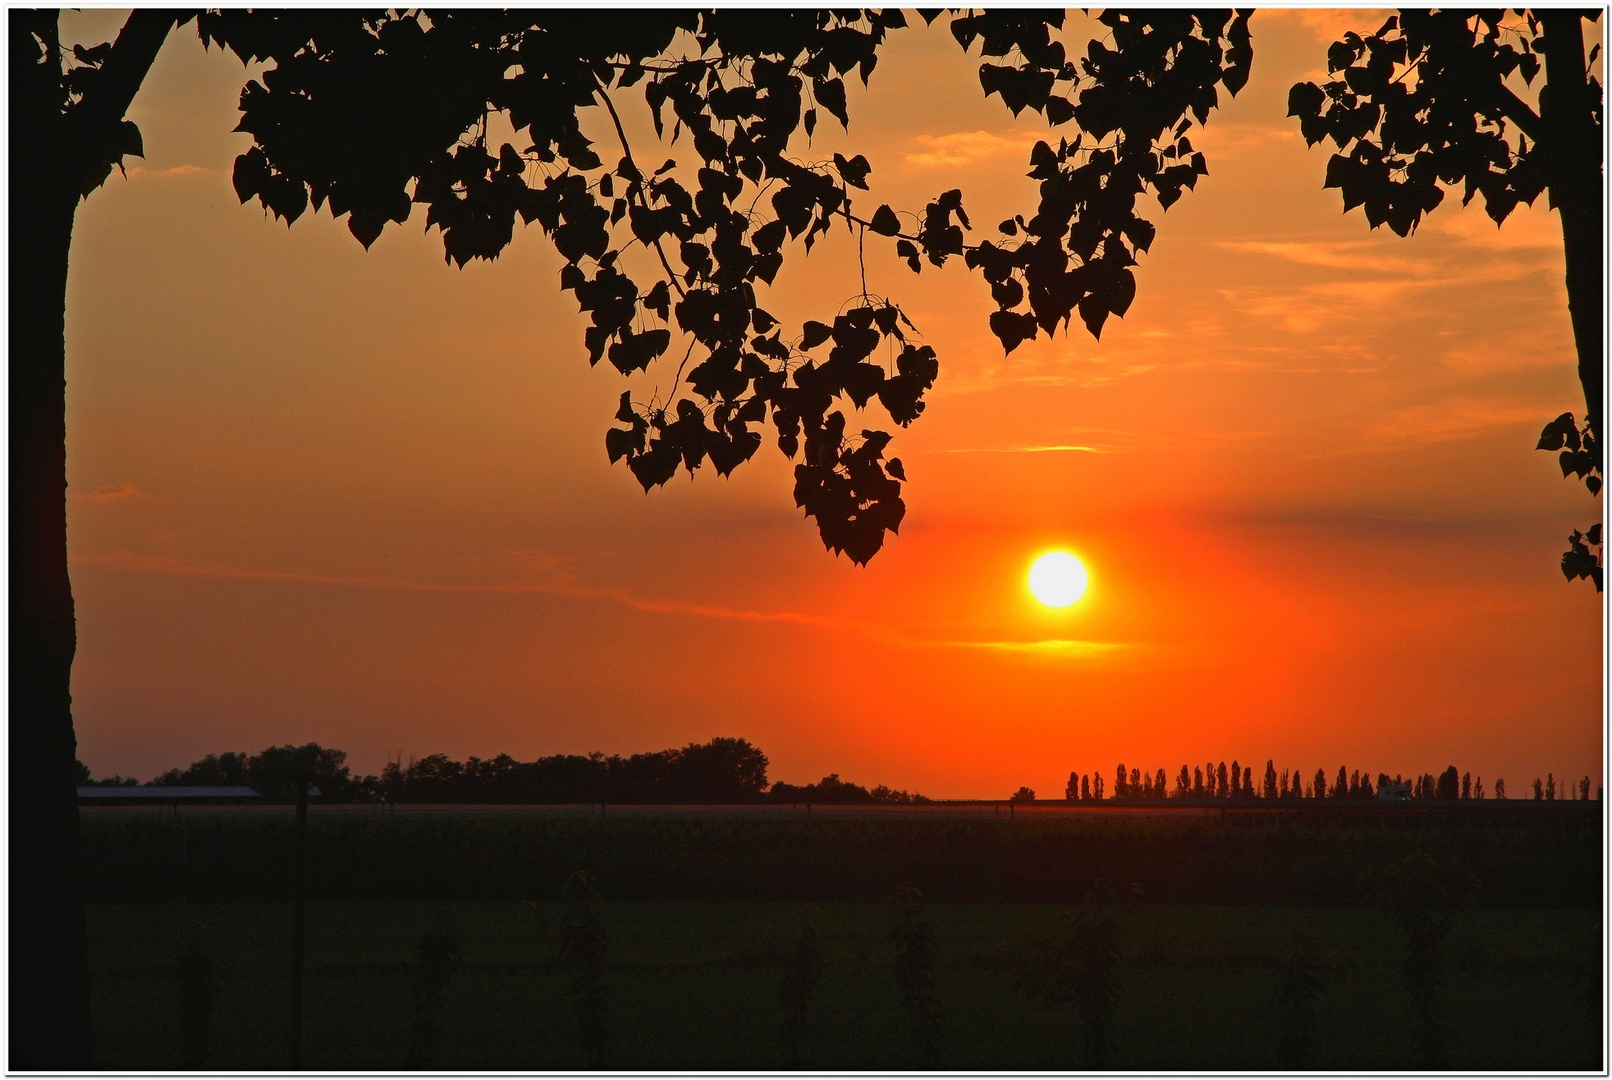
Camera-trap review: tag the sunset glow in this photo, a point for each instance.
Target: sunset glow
(363, 497)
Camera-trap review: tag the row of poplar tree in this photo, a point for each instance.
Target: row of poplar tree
(1236, 781)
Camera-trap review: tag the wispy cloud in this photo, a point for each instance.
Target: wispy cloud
(1525, 227)
(135, 563)
(1329, 24)
(1054, 449)
(111, 493)
(1048, 648)
(132, 562)
(967, 147)
(1437, 422)
(1333, 255)
(141, 172)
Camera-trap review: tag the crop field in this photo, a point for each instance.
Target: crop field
(695, 985)
(700, 916)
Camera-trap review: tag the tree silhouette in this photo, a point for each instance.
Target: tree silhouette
(366, 114)
(1269, 790)
(1400, 139)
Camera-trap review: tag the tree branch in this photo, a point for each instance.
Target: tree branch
(1516, 110)
(627, 152)
(92, 122)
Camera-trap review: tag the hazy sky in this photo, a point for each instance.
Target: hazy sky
(363, 498)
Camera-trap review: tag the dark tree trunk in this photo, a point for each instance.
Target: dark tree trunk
(1567, 113)
(54, 149)
(49, 970)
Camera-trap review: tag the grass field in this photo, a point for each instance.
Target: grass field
(694, 985)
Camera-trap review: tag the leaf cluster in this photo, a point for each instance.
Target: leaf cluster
(1133, 99)
(1579, 454)
(368, 114)
(1423, 102)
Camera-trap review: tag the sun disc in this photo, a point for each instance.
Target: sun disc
(1058, 579)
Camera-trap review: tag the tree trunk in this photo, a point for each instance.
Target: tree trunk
(1567, 112)
(55, 147)
(49, 967)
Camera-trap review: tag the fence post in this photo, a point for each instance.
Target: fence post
(297, 897)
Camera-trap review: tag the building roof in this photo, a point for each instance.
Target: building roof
(165, 794)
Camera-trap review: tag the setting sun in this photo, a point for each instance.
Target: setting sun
(1058, 579)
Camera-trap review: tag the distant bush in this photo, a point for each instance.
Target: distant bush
(832, 790)
(273, 773)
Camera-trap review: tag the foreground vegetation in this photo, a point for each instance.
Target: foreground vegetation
(1387, 939)
(696, 985)
(1518, 860)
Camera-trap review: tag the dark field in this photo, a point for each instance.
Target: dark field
(1520, 858)
(698, 913)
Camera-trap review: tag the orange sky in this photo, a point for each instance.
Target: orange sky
(363, 499)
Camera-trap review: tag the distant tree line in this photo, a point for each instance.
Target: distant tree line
(729, 770)
(1236, 782)
(724, 770)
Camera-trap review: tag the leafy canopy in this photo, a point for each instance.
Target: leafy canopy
(366, 115)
